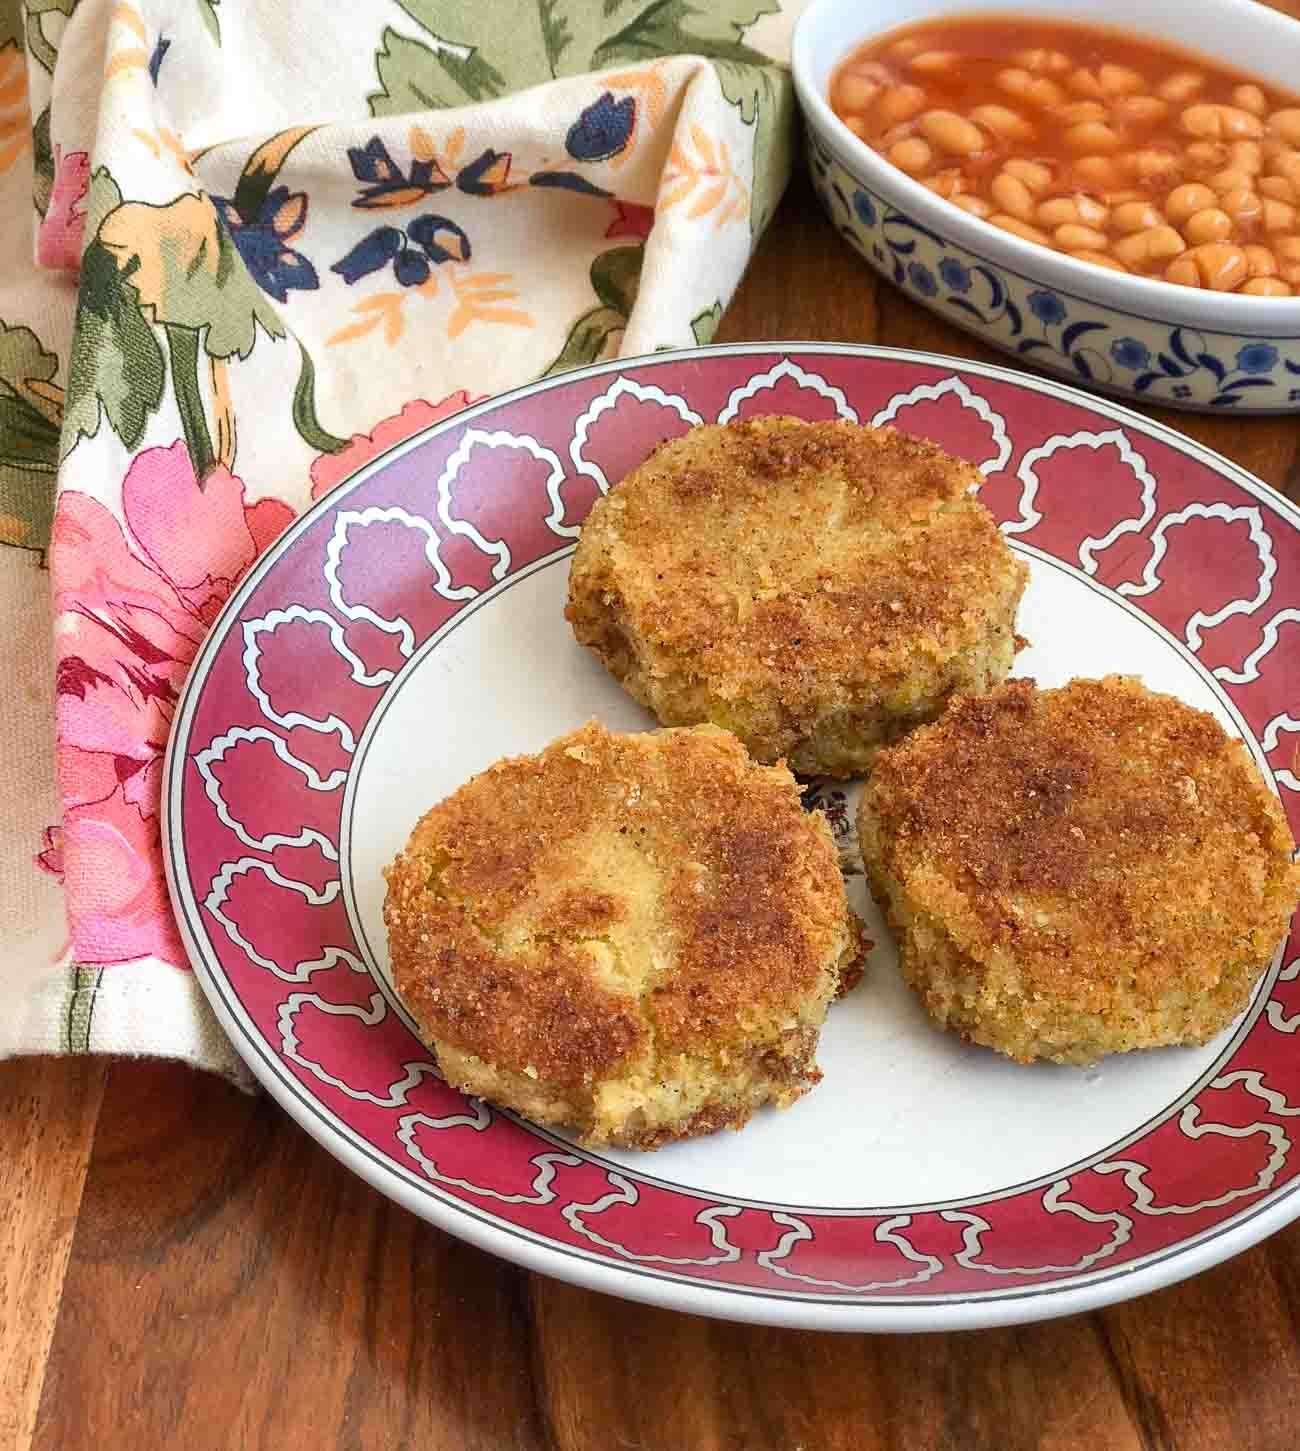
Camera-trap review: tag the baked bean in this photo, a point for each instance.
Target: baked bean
(1078, 111)
(1288, 259)
(1219, 122)
(1020, 229)
(1287, 164)
(911, 156)
(1012, 196)
(1091, 212)
(1191, 197)
(1035, 175)
(1039, 58)
(931, 62)
(1220, 266)
(1242, 204)
(1136, 216)
(1286, 124)
(1093, 137)
(1230, 179)
(1260, 261)
(1139, 110)
(1247, 156)
(855, 92)
(1154, 245)
(1084, 82)
(1108, 147)
(1152, 162)
(1078, 210)
(1037, 90)
(1207, 156)
(899, 103)
(946, 184)
(1181, 86)
(1099, 259)
(1211, 225)
(1076, 238)
(895, 134)
(1265, 287)
(1119, 80)
(1098, 171)
(952, 133)
(1004, 122)
(1060, 211)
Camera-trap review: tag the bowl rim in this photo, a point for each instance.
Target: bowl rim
(1146, 298)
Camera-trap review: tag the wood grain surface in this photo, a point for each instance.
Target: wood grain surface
(180, 1266)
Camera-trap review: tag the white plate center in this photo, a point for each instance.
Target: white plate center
(905, 1114)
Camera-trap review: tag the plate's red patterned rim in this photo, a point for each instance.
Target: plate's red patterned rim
(268, 736)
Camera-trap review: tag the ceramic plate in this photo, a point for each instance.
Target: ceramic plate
(408, 631)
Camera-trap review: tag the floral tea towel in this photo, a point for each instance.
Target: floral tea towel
(248, 244)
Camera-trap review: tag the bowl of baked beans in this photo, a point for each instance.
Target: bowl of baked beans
(1074, 183)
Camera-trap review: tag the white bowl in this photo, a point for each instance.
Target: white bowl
(1181, 347)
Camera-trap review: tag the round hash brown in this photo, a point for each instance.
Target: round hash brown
(817, 588)
(1079, 871)
(634, 935)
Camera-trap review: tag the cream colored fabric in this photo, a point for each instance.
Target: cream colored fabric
(299, 231)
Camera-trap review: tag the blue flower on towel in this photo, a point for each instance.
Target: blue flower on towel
(263, 241)
(429, 238)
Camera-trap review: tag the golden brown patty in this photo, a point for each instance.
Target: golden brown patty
(1079, 871)
(636, 935)
(817, 588)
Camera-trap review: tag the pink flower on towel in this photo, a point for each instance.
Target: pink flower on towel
(58, 243)
(131, 607)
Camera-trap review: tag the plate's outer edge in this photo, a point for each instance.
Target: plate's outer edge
(611, 1278)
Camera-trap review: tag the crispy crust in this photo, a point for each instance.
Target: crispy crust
(637, 935)
(815, 587)
(1079, 871)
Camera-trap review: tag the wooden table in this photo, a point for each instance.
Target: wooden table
(180, 1266)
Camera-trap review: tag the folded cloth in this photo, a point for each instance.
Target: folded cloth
(270, 240)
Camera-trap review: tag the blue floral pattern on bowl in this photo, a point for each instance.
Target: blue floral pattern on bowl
(1119, 352)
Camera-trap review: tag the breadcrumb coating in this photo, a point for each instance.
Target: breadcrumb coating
(635, 935)
(817, 588)
(1079, 871)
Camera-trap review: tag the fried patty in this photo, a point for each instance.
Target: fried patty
(633, 935)
(817, 588)
(1078, 872)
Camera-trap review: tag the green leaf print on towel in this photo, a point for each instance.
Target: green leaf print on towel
(116, 363)
(31, 412)
(473, 57)
(765, 96)
(615, 279)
